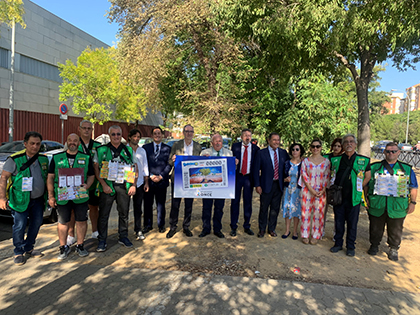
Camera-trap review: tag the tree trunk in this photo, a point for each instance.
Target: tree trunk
(363, 121)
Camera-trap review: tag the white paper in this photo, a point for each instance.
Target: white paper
(77, 180)
(62, 181)
(70, 181)
(27, 183)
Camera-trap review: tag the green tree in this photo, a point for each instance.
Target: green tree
(12, 11)
(328, 37)
(96, 89)
(187, 64)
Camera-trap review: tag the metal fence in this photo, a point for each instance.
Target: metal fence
(412, 158)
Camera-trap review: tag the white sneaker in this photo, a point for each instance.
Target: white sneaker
(70, 240)
(140, 236)
(95, 234)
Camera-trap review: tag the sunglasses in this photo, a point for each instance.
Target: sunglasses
(115, 134)
(189, 131)
(296, 149)
(86, 128)
(391, 151)
(316, 146)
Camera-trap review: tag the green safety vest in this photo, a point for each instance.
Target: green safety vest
(18, 199)
(359, 165)
(61, 161)
(396, 206)
(92, 154)
(104, 154)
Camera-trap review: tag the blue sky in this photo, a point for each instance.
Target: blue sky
(89, 16)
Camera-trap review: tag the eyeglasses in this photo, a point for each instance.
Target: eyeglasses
(189, 131)
(115, 134)
(296, 149)
(315, 146)
(391, 151)
(349, 141)
(86, 128)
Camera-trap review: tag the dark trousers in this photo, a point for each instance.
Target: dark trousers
(137, 207)
(105, 206)
(217, 215)
(394, 228)
(159, 194)
(346, 213)
(35, 213)
(174, 214)
(242, 182)
(270, 200)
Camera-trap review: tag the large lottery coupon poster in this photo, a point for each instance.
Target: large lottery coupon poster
(204, 177)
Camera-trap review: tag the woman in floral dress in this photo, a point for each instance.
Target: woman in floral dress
(314, 179)
(291, 198)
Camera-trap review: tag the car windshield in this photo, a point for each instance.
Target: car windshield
(12, 147)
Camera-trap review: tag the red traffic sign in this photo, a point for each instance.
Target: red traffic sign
(63, 109)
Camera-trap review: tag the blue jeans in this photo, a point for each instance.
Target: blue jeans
(35, 213)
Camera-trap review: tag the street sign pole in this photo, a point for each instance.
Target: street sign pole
(63, 111)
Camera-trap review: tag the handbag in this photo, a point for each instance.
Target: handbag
(335, 192)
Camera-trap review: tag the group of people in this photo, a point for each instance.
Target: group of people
(88, 177)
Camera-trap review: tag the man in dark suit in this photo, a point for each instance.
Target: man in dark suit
(159, 168)
(245, 152)
(183, 147)
(269, 184)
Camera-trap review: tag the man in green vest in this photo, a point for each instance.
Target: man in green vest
(87, 146)
(23, 178)
(109, 160)
(351, 171)
(70, 176)
(391, 195)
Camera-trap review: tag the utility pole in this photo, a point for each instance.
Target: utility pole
(12, 85)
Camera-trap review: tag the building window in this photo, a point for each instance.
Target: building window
(39, 69)
(4, 58)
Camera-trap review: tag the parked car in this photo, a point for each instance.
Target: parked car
(104, 139)
(405, 147)
(170, 142)
(144, 141)
(379, 147)
(49, 148)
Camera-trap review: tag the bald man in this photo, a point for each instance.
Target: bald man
(217, 149)
(70, 159)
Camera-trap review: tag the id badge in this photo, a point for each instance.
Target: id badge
(360, 181)
(27, 183)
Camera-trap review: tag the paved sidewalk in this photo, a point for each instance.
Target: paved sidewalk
(46, 287)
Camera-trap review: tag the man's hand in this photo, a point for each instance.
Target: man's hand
(106, 188)
(258, 190)
(146, 185)
(411, 208)
(367, 202)
(173, 158)
(156, 178)
(287, 179)
(132, 190)
(3, 203)
(236, 161)
(52, 202)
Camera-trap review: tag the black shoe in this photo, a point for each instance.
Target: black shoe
(202, 234)
(261, 234)
(373, 250)
(393, 254)
(272, 233)
(350, 252)
(171, 233)
(249, 232)
(219, 234)
(233, 232)
(187, 233)
(162, 230)
(335, 249)
(285, 235)
(147, 229)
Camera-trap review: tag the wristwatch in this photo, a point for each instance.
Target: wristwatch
(413, 202)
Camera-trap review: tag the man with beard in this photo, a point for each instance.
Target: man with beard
(57, 182)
